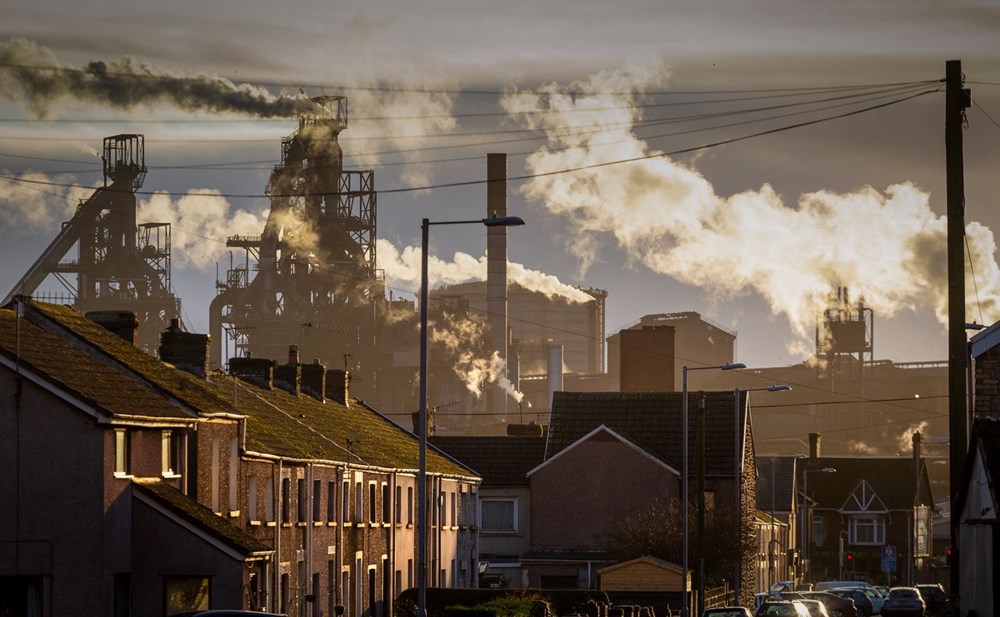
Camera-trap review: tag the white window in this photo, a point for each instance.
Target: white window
(867, 530)
(498, 514)
(122, 455)
(167, 463)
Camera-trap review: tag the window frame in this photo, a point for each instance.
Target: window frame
(483, 501)
(875, 522)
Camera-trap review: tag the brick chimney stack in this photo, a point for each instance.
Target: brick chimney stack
(814, 445)
(338, 386)
(185, 350)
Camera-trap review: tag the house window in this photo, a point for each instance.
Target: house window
(331, 502)
(409, 505)
(345, 500)
(169, 449)
(252, 498)
(454, 509)
(867, 530)
(818, 530)
(399, 505)
(286, 500)
(498, 515)
(122, 452)
(303, 503)
(359, 498)
(186, 593)
(317, 500)
(372, 509)
(234, 474)
(386, 504)
(269, 499)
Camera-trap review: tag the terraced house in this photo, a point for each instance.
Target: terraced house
(142, 486)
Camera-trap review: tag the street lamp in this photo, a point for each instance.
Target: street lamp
(684, 473)
(502, 221)
(737, 451)
(808, 520)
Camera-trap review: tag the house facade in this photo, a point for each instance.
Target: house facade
(611, 455)
(143, 487)
(979, 542)
(870, 518)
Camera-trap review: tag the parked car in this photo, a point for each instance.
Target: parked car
(815, 607)
(936, 599)
(726, 611)
(837, 606)
(904, 602)
(861, 599)
(875, 597)
(782, 608)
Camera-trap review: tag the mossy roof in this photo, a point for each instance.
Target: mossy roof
(301, 427)
(197, 514)
(109, 391)
(278, 422)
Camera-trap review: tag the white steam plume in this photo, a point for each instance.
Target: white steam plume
(887, 247)
(905, 443)
(402, 268)
(454, 334)
(31, 74)
(200, 222)
(401, 124)
(33, 201)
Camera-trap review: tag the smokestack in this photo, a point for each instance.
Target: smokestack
(293, 354)
(917, 437)
(813, 445)
(554, 369)
(496, 270)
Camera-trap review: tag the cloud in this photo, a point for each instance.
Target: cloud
(402, 268)
(200, 223)
(886, 246)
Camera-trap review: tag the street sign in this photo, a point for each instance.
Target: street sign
(888, 558)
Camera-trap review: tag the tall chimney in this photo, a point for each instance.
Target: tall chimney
(496, 270)
(554, 369)
(813, 445)
(338, 386)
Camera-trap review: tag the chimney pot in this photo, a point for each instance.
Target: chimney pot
(814, 451)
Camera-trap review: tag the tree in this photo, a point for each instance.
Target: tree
(656, 530)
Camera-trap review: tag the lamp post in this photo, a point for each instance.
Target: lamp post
(503, 221)
(808, 519)
(737, 451)
(684, 473)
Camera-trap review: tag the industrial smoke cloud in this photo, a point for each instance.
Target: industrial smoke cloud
(31, 74)
(886, 246)
(402, 268)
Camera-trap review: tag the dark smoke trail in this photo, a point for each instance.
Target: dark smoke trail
(30, 73)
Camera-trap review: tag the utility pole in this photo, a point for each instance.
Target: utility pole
(957, 99)
(701, 505)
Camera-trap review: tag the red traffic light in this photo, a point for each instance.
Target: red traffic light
(849, 556)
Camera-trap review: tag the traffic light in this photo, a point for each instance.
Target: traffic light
(849, 559)
(948, 555)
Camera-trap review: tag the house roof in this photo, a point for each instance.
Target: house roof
(650, 420)
(782, 470)
(603, 433)
(893, 480)
(196, 514)
(655, 561)
(73, 370)
(113, 374)
(501, 461)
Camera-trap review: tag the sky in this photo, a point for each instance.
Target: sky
(736, 201)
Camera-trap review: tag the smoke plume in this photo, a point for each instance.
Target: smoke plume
(31, 74)
(33, 202)
(886, 246)
(402, 268)
(905, 443)
(200, 222)
(453, 334)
